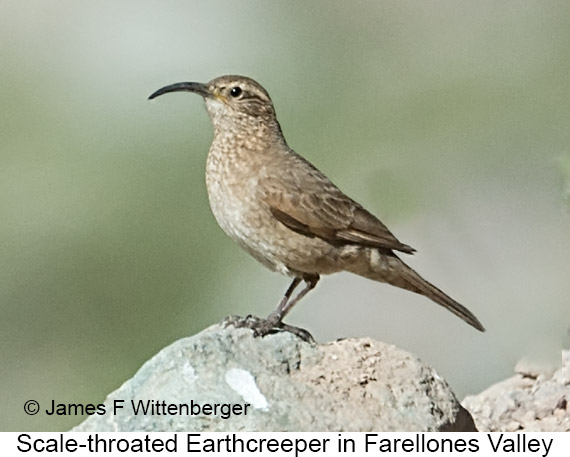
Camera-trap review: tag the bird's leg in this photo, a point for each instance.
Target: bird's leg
(286, 304)
(273, 323)
(279, 313)
(275, 319)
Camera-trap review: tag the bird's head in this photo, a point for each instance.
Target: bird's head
(230, 100)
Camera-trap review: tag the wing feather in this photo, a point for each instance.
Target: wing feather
(317, 208)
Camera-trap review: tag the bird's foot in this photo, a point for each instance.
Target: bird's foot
(268, 326)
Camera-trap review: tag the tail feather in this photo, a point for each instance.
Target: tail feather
(389, 268)
(413, 282)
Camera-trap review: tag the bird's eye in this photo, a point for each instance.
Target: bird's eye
(235, 92)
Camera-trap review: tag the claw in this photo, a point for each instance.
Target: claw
(262, 327)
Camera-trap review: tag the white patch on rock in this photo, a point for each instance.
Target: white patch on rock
(244, 384)
(188, 373)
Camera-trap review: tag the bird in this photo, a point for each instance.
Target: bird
(285, 212)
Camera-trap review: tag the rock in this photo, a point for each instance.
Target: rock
(533, 370)
(290, 385)
(535, 399)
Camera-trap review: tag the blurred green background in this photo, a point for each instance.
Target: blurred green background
(449, 120)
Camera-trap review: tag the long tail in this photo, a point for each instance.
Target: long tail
(415, 283)
(391, 269)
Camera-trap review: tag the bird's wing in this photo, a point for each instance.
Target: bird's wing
(317, 208)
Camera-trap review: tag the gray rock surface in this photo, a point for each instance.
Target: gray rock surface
(534, 400)
(290, 385)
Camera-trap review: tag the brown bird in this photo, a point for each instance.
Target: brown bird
(285, 212)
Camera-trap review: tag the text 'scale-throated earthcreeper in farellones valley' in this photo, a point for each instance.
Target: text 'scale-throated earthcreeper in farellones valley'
(285, 212)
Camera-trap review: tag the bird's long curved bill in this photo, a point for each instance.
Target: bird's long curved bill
(197, 88)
